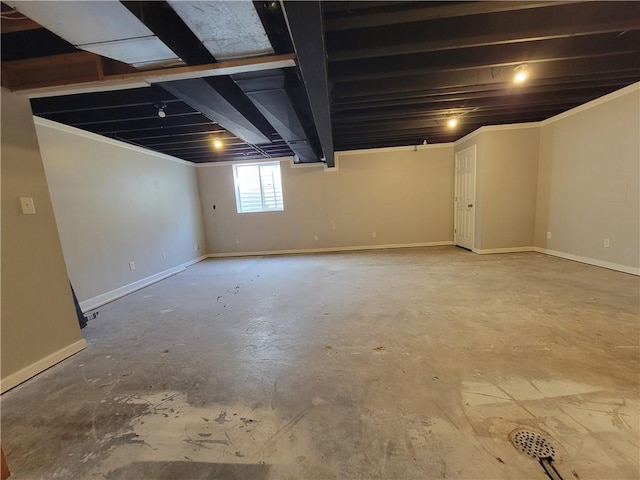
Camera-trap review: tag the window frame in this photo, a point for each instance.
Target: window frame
(279, 199)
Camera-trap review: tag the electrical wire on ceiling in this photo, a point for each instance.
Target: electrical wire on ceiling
(6, 15)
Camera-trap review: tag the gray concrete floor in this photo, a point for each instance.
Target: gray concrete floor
(411, 363)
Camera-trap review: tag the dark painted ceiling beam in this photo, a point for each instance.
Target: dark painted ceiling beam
(270, 95)
(602, 80)
(154, 124)
(417, 126)
(589, 18)
(199, 95)
(153, 94)
(305, 23)
(517, 104)
(466, 98)
(139, 112)
(481, 40)
(488, 56)
(417, 13)
(557, 73)
(171, 29)
(176, 133)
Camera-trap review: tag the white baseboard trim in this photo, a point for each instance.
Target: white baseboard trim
(591, 261)
(486, 251)
(99, 300)
(32, 370)
(328, 249)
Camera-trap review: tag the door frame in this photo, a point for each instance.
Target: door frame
(455, 194)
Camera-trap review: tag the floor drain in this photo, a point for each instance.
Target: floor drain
(536, 446)
(532, 444)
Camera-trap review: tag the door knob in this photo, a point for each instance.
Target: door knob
(470, 205)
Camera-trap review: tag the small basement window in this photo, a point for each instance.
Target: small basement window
(258, 187)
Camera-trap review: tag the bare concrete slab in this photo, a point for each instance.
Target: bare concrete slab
(412, 363)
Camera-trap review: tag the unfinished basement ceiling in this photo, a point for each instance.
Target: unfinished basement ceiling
(395, 72)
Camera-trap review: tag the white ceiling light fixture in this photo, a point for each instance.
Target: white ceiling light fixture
(521, 73)
(452, 122)
(161, 112)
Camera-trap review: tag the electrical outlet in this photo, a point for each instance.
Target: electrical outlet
(28, 208)
(333, 225)
(548, 234)
(164, 254)
(237, 241)
(607, 243)
(132, 265)
(316, 238)
(374, 234)
(196, 248)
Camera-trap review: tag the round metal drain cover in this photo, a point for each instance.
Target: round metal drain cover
(533, 444)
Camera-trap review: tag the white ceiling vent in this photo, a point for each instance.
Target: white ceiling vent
(106, 28)
(229, 30)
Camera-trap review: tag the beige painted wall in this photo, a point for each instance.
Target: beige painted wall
(39, 323)
(115, 204)
(588, 187)
(506, 183)
(404, 196)
(509, 181)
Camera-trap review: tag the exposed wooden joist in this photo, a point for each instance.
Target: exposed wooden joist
(431, 13)
(543, 32)
(421, 112)
(557, 73)
(17, 24)
(53, 76)
(564, 49)
(471, 92)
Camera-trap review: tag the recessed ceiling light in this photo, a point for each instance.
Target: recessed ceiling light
(452, 122)
(521, 73)
(217, 144)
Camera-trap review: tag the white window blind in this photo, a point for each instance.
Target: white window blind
(258, 187)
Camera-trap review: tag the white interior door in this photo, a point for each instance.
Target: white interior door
(465, 197)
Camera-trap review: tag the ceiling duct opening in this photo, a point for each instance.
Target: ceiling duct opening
(104, 28)
(271, 93)
(233, 30)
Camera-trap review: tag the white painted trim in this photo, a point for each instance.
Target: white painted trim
(110, 141)
(241, 162)
(486, 251)
(306, 165)
(328, 249)
(395, 149)
(99, 300)
(591, 261)
(497, 128)
(593, 103)
(41, 365)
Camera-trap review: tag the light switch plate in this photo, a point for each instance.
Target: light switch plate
(28, 208)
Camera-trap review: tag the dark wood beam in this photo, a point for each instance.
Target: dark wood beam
(409, 15)
(542, 51)
(493, 78)
(604, 81)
